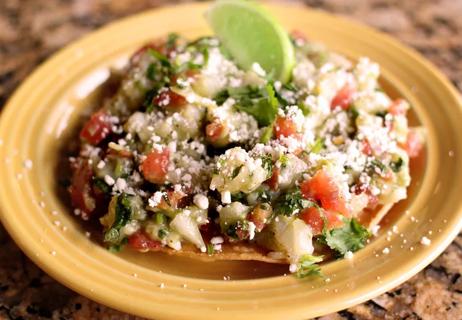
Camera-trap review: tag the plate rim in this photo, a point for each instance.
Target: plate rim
(48, 265)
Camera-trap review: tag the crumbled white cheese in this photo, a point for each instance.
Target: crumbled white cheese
(292, 267)
(201, 201)
(217, 240)
(425, 241)
(258, 69)
(251, 230)
(348, 255)
(155, 199)
(27, 164)
(109, 180)
(226, 197)
(375, 229)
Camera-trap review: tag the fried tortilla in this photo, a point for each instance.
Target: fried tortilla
(230, 251)
(253, 252)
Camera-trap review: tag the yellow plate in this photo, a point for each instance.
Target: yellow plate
(39, 115)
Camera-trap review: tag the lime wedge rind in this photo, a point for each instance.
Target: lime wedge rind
(252, 35)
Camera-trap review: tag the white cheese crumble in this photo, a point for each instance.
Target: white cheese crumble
(251, 230)
(155, 199)
(226, 197)
(256, 67)
(293, 267)
(348, 255)
(109, 180)
(217, 240)
(201, 201)
(101, 164)
(375, 230)
(27, 164)
(425, 241)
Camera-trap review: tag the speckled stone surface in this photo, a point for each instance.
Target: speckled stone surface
(32, 30)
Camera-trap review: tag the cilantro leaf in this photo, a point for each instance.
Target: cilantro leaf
(221, 97)
(351, 237)
(261, 103)
(397, 165)
(292, 202)
(318, 145)
(307, 266)
(123, 212)
(102, 185)
(267, 164)
(267, 134)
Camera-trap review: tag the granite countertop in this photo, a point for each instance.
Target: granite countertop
(32, 30)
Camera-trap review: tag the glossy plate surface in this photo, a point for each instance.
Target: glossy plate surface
(40, 115)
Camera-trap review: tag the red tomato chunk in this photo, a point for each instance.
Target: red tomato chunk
(169, 99)
(343, 98)
(80, 189)
(214, 130)
(273, 182)
(284, 127)
(97, 128)
(140, 241)
(322, 189)
(314, 218)
(154, 167)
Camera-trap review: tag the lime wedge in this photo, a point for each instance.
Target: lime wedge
(250, 34)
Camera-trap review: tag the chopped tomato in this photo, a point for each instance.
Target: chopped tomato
(260, 216)
(298, 35)
(414, 144)
(284, 127)
(321, 188)
(97, 128)
(314, 218)
(343, 98)
(142, 242)
(273, 182)
(80, 189)
(169, 99)
(366, 147)
(397, 107)
(215, 130)
(154, 167)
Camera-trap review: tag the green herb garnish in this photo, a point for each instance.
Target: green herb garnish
(292, 202)
(397, 165)
(101, 185)
(261, 103)
(318, 145)
(123, 211)
(267, 164)
(305, 109)
(267, 134)
(210, 249)
(162, 233)
(307, 266)
(160, 218)
(284, 160)
(351, 237)
(236, 171)
(221, 97)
